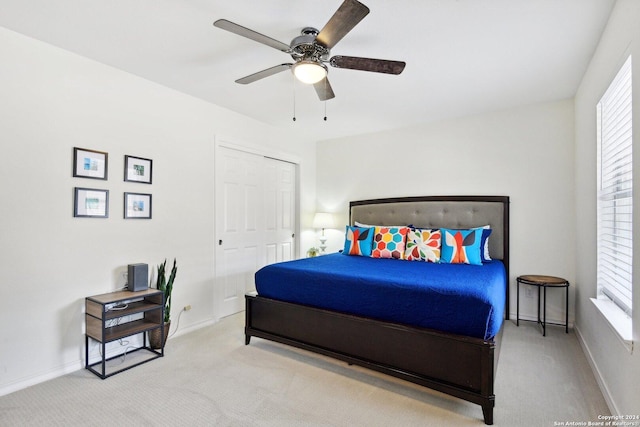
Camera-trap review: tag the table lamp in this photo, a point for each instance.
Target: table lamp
(323, 220)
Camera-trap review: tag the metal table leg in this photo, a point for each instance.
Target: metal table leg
(544, 312)
(518, 303)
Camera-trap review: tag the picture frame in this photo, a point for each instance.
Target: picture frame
(137, 206)
(90, 203)
(90, 163)
(138, 169)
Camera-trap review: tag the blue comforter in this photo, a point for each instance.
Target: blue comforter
(458, 298)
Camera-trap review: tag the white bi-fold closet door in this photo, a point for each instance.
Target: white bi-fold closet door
(255, 221)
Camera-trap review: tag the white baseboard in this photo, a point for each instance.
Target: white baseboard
(550, 320)
(596, 373)
(193, 327)
(79, 364)
(40, 378)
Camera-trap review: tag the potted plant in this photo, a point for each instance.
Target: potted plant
(166, 286)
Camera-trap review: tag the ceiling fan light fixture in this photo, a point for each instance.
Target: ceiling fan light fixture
(309, 72)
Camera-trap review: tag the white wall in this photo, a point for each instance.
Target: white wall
(51, 101)
(617, 369)
(525, 153)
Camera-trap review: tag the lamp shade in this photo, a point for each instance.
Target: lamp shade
(309, 72)
(323, 220)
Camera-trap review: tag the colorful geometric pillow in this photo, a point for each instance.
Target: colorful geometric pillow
(389, 242)
(423, 245)
(358, 241)
(461, 246)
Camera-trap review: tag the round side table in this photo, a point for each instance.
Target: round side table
(543, 282)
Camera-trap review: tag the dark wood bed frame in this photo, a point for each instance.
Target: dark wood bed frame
(457, 365)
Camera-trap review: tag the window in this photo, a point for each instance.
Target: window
(615, 220)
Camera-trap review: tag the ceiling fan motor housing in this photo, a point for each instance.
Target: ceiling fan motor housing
(305, 46)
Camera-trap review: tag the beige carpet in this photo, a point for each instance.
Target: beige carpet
(210, 378)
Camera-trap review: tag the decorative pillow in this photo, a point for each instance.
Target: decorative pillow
(484, 245)
(423, 245)
(389, 242)
(359, 224)
(461, 246)
(358, 241)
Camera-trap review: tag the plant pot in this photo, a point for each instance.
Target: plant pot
(156, 341)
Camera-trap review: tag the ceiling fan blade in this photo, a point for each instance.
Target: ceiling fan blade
(250, 34)
(343, 20)
(324, 90)
(367, 64)
(264, 73)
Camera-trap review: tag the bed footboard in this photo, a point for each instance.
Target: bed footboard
(460, 366)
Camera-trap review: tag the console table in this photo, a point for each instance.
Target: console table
(121, 314)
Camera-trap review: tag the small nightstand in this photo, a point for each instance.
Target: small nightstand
(543, 282)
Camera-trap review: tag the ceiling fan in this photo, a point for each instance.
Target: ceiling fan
(310, 50)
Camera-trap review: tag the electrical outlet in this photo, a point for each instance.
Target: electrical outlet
(528, 292)
(187, 307)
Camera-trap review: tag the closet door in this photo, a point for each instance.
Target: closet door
(280, 219)
(255, 221)
(238, 224)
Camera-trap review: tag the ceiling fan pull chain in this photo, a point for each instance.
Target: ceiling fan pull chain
(294, 98)
(326, 83)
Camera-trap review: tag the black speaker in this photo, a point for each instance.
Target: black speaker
(138, 277)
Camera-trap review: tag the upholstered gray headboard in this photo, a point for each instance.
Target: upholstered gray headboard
(441, 212)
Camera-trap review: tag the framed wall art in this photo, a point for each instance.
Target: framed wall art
(138, 169)
(90, 203)
(90, 163)
(137, 206)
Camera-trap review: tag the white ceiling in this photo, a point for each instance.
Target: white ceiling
(463, 56)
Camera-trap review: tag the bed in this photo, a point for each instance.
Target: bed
(452, 355)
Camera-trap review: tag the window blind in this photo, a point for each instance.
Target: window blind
(615, 220)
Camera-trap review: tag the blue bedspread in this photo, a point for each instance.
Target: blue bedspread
(458, 298)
